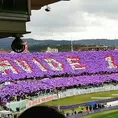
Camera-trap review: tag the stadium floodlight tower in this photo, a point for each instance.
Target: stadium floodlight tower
(13, 17)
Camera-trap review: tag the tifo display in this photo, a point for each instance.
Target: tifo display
(32, 74)
(27, 65)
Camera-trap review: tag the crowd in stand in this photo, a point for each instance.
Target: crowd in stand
(23, 89)
(40, 65)
(26, 85)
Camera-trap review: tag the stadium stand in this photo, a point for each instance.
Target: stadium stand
(47, 86)
(26, 75)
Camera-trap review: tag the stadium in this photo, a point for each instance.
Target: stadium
(75, 83)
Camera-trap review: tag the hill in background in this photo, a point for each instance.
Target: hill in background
(38, 45)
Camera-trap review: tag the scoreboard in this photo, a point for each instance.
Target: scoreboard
(13, 16)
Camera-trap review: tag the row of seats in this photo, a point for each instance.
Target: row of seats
(34, 88)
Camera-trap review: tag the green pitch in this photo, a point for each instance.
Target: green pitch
(83, 98)
(106, 114)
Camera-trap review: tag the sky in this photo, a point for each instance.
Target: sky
(75, 20)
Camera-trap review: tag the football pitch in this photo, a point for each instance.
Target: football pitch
(84, 98)
(87, 98)
(106, 114)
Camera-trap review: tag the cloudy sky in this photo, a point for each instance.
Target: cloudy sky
(77, 19)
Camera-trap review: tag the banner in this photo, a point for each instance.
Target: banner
(41, 100)
(17, 66)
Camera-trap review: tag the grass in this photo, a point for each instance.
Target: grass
(82, 98)
(105, 114)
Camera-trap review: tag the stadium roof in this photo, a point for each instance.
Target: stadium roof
(37, 4)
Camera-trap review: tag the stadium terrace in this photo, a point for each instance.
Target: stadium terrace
(28, 65)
